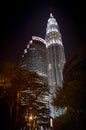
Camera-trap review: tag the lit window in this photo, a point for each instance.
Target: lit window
(54, 82)
(49, 67)
(23, 65)
(31, 41)
(22, 55)
(40, 57)
(25, 50)
(28, 46)
(32, 49)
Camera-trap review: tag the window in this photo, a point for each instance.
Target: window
(49, 67)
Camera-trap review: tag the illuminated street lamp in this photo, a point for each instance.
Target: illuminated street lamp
(31, 117)
(32, 124)
(51, 123)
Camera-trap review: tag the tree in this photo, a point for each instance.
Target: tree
(73, 94)
(35, 97)
(11, 82)
(17, 84)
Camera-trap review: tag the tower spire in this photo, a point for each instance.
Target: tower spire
(51, 13)
(51, 16)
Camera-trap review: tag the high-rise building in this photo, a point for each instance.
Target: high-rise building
(55, 53)
(34, 60)
(55, 57)
(34, 57)
(46, 57)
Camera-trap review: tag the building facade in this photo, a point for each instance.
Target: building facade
(34, 60)
(34, 57)
(55, 60)
(55, 53)
(46, 57)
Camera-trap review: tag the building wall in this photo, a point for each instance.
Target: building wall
(55, 54)
(55, 59)
(34, 57)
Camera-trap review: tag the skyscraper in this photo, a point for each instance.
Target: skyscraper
(46, 57)
(55, 53)
(34, 57)
(55, 56)
(34, 60)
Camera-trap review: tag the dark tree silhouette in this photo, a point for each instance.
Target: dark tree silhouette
(73, 94)
(13, 82)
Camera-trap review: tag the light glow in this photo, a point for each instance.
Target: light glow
(28, 46)
(51, 122)
(49, 66)
(31, 117)
(31, 41)
(25, 50)
(39, 39)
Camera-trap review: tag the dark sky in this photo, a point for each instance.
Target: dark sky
(22, 19)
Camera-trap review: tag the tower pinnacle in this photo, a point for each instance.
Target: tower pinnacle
(51, 16)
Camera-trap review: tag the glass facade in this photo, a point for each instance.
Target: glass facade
(34, 57)
(55, 54)
(47, 58)
(55, 59)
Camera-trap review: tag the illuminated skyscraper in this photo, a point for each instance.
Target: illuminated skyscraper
(34, 60)
(55, 55)
(46, 57)
(34, 57)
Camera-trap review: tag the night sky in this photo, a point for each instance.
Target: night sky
(19, 20)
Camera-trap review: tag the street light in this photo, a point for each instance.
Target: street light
(31, 120)
(31, 117)
(32, 123)
(51, 123)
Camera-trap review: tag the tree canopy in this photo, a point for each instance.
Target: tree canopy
(21, 90)
(73, 94)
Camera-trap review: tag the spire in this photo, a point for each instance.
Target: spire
(51, 16)
(52, 26)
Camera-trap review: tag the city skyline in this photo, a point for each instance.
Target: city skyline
(27, 19)
(46, 57)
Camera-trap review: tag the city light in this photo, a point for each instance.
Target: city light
(51, 122)
(39, 39)
(31, 117)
